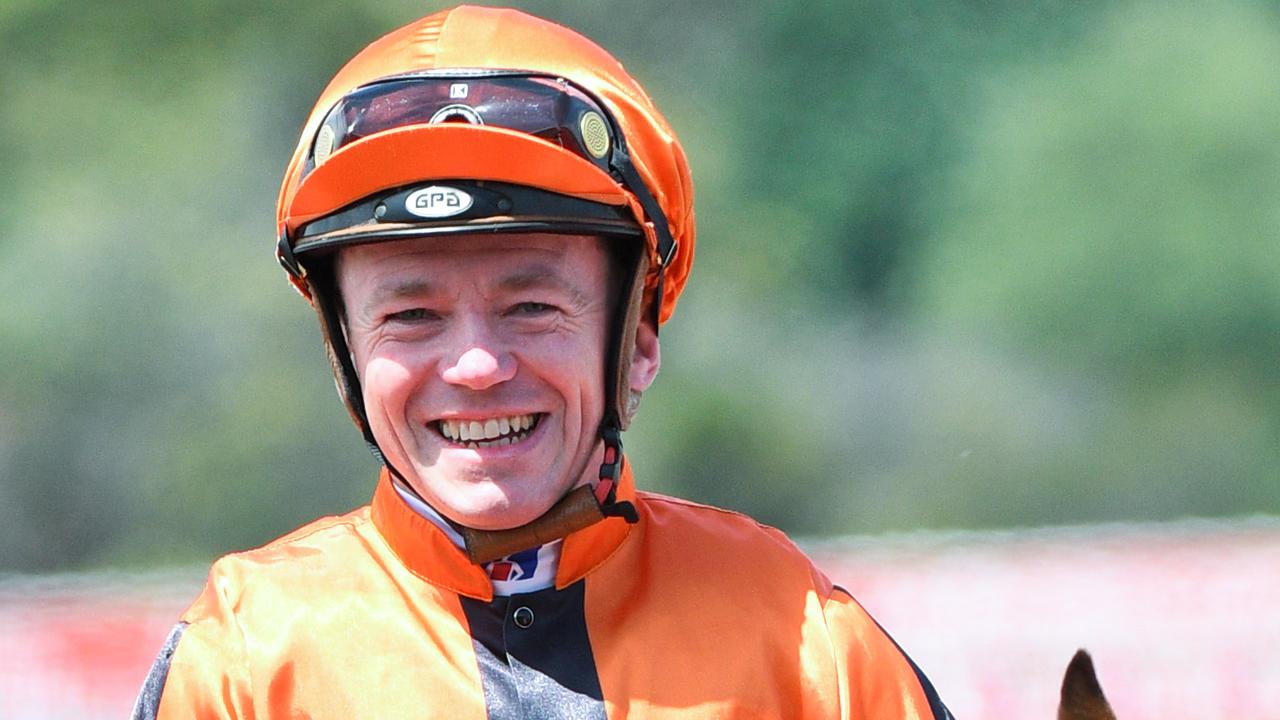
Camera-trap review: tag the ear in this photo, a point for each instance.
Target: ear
(647, 355)
(1082, 697)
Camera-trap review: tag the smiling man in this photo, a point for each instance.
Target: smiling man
(491, 220)
(483, 366)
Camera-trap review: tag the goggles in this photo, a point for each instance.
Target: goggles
(547, 107)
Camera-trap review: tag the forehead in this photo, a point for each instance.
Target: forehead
(474, 259)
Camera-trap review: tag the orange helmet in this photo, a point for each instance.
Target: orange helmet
(470, 39)
(488, 120)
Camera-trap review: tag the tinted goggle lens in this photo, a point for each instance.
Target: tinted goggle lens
(547, 108)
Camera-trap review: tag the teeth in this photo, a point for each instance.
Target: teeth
(488, 433)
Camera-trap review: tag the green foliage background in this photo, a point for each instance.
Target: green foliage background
(959, 265)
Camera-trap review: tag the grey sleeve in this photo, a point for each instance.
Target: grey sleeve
(147, 706)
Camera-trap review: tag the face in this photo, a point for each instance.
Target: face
(482, 363)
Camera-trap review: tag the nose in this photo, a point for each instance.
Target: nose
(477, 368)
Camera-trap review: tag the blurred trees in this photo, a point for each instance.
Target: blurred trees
(966, 265)
(1116, 216)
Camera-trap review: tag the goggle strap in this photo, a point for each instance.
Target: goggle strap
(284, 254)
(657, 299)
(632, 181)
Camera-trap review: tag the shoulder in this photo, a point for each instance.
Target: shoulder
(728, 543)
(320, 553)
(712, 525)
(783, 593)
(216, 653)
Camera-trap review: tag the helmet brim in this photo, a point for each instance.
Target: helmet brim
(418, 153)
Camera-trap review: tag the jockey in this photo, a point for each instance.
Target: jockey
(491, 220)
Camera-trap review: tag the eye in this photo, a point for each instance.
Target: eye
(532, 308)
(410, 315)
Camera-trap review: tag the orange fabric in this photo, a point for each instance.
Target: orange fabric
(422, 548)
(745, 625)
(860, 667)
(402, 156)
(692, 612)
(426, 552)
(476, 37)
(313, 625)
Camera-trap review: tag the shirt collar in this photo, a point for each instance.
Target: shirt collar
(417, 505)
(428, 552)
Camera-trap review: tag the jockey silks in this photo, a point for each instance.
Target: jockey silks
(691, 612)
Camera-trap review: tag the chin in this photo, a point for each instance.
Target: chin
(503, 518)
(478, 500)
(493, 510)
(501, 522)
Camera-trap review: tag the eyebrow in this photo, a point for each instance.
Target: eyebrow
(541, 276)
(400, 289)
(537, 276)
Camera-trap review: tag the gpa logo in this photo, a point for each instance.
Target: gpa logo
(438, 201)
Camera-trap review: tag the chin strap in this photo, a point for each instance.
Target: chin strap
(606, 489)
(582, 507)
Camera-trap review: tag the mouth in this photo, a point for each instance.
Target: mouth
(489, 432)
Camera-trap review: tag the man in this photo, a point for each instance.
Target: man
(492, 219)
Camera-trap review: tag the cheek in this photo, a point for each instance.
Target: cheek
(580, 370)
(386, 381)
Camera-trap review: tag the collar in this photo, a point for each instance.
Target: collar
(429, 553)
(428, 512)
